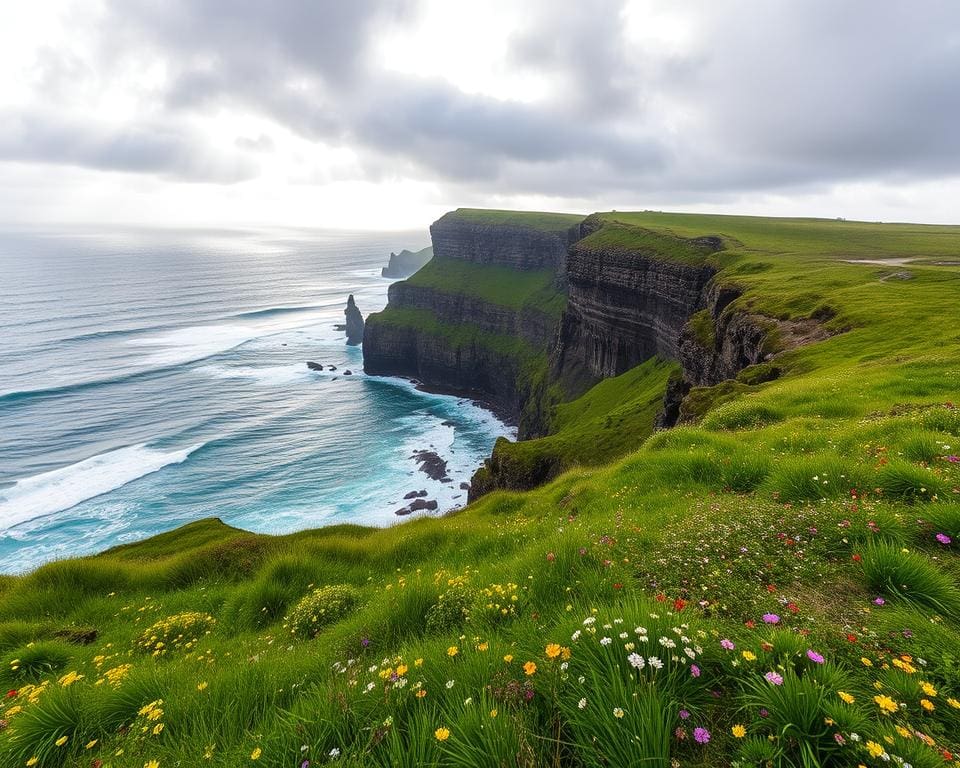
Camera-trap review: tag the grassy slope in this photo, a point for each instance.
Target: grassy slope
(808, 497)
(548, 222)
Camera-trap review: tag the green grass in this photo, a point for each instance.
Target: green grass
(493, 284)
(548, 222)
(807, 497)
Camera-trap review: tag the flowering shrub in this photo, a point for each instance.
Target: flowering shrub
(182, 631)
(321, 607)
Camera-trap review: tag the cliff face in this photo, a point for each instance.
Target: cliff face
(509, 245)
(406, 263)
(624, 307)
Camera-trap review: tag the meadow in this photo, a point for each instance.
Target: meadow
(774, 583)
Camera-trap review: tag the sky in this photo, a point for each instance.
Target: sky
(383, 114)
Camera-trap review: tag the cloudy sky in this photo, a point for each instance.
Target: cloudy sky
(385, 113)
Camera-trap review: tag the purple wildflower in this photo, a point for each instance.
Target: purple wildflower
(364, 641)
(773, 678)
(879, 601)
(695, 670)
(953, 459)
(815, 657)
(764, 712)
(684, 714)
(701, 735)
(838, 737)
(727, 644)
(943, 538)
(771, 618)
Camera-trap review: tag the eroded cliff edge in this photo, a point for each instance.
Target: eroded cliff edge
(531, 312)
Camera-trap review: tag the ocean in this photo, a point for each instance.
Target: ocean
(149, 378)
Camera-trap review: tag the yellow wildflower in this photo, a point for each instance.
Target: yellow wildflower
(846, 697)
(865, 661)
(421, 693)
(903, 732)
(953, 703)
(553, 650)
(453, 650)
(749, 655)
(255, 755)
(874, 749)
(61, 741)
(928, 689)
(508, 658)
(33, 761)
(483, 646)
(927, 705)
(886, 704)
(157, 729)
(202, 686)
(441, 734)
(152, 764)
(493, 713)
(401, 670)
(418, 663)
(529, 668)
(91, 744)
(738, 731)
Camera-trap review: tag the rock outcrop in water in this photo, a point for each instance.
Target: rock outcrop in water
(354, 325)
(406, 263)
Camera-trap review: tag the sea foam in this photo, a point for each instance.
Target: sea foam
(60, 489)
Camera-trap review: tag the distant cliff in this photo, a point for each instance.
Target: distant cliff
(528, 311)
(406, 263)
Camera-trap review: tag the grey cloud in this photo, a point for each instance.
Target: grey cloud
(147, 148)
(772, 95)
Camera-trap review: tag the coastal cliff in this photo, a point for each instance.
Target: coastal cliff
(406, 263)
(482, 317)
(535, 313)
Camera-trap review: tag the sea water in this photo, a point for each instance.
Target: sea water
(149, 378)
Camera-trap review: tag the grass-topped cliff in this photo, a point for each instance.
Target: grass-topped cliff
(774, 581)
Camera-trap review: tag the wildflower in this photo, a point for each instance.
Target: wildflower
(943, 538)
(636, 661)
(846, 697)
(928, 689)
(418, 663)
(701, 735)
(838, 737)
(441, 734)
(421, 693)
(695, 670)
(157, 729)
(865, 661)
(727, 645)
(885, 703)
(453, 651)
(655, 662)
(605, 641)
(401, 670)
(449, 684)
(61, 741)
(773, 678)
(91, 744)
(32, 761)
(553, 650)
(879, 601)
(749, 655)
(953, 703)
(152, 764)
(738, 731)
(529, 668)
(582, 704)
(815, 657)
(618, 713)
(508, 658)
(927, 705)
(493, 713)
(771, 618)
(874, 749)
(202, 686)
(255, 755)
(334, 753)
(684, 714)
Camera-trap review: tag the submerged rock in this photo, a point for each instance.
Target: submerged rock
(354, 324)
(414, 495)
(314, 366)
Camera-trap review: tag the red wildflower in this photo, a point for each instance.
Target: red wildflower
(618, 585)
(771, 588)
(793, 608)
(856, 558)
(765, 646)
(749, 623)
(679, 603)
(851, 638)
(551, 557)
(11, 693)
(660, 597)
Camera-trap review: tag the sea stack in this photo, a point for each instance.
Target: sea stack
(354, 323)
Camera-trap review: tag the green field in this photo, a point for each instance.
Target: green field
(777, 583)
(547, 222)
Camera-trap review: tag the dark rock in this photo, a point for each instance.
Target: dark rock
(431, 464)
(414, 495)
(77, 635)
(418, 504)
(314, 366)
(464, 486)
(340, 326)
(403, 511)
(348, 372)
(448, 423)
(406, 263)
(354, 323)
(332, 368)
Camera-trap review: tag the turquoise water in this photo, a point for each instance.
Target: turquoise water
(151, 378)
